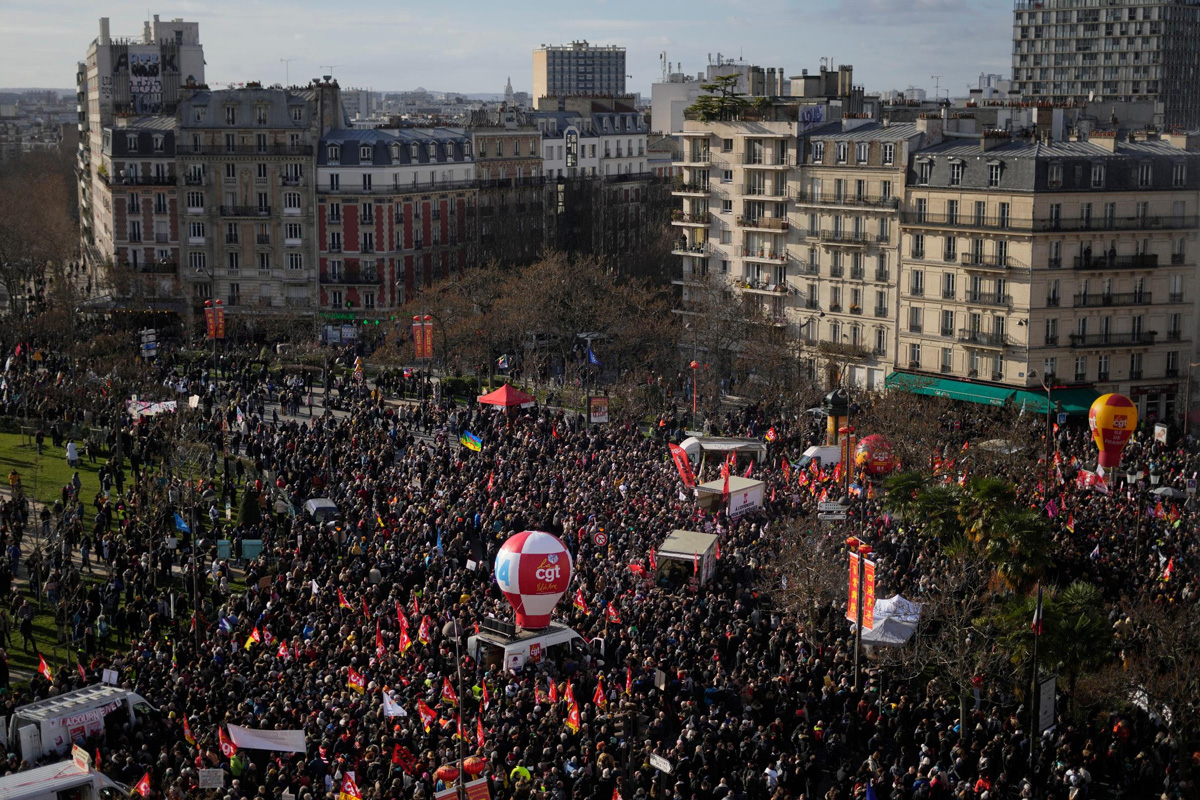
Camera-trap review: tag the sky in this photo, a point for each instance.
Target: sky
(473, 46)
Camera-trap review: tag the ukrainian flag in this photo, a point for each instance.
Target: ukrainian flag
(470, 441)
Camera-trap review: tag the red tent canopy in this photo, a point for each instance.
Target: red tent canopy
(507, 397)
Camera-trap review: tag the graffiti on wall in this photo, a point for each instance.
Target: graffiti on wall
(145, 83)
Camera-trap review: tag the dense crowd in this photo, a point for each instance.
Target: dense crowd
(752, 704)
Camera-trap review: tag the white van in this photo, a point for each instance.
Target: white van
(66, 780)
(824, 455)
(53, 725)
(511, 651)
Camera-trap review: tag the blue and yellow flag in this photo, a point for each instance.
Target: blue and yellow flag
(470, 441)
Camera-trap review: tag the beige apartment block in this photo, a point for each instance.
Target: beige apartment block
(1068, 263)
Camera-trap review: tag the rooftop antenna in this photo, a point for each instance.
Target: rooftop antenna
(330, 67)
(937, 82)
(287, 71)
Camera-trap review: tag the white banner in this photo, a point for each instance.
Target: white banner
(279, 741)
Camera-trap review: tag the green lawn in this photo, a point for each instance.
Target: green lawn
(44, 476)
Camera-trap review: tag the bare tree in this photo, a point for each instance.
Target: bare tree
(36, 228)
(810, 575)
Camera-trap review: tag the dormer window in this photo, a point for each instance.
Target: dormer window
(131, 143)
(231, 115)
(395, 154)
(364, 153)
(335, 154)
(466, 148)
(260, 115)
(298, 114)
(414, 152)
(158, 144)
(433, 151)
(198, 114)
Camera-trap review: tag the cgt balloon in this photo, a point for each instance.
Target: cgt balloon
(533, 570)
(1113, 419)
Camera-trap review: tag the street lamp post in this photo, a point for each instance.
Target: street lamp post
(1187, 401)
(694, 365)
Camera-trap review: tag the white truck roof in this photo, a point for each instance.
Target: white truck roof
(686, 544)
(47, 781)
(69, 703)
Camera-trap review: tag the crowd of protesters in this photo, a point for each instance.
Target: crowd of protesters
(718, 679)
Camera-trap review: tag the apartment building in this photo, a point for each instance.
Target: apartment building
(139, 226)
(246, 158)
(394, 213)
(511, 202)
(1069, 263)
(578, 68)
(124, 83)
(1122, 51)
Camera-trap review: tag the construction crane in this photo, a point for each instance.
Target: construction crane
(330, 68)
(287, 70)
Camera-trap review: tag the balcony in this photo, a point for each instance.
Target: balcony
(948, 294)
(138, 180)
(291, 180)
(701, 250)
(1107, 300)
(679, 218)
(1052, 302)
(927, 219)
(1174, 336)
(989, 262)
(764, 160)
(1134, 223)
(1177, 259)
(1102, 376)
(262, 238)
(881, 312)
(837, 272)
(989, 299)
(915, 327)
(881, 275)
(762, 254)
(916, 291)
(754, 190)
(1174, 297)
(351, 278)
(857, 273)
(247, 150)
(805, 268)
(809, 198)
(1113, 339)
(161, 238)
(696, 157)
(1105, 261)
(847, 237)
(762, 286)
(693, 188)
(195, 180)
(1135, 374)
(763, 223)
(231, 238)
(1172, 372)
(245, 211)
(982, 339)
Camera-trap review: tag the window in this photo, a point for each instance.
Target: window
(197, 262)
(818, 152)
(260, 172)
(298, 114)
(230, 172)
(230, 115)
(135, 230)
(924, 170)
(264, 203)
(948, 285)
(885, 190)
(1172, 363)
(335, 298)
(916, 285)
(291, 201)
(366, 213)
(914, 354)
(1144, 173)
(335, 182)
(993, 175)
(947, 327)
(863, 151)
(881, 341)
(726, 206)
(334, 154)
(1179, 174)
(1097, 176)
(1050, 367)
(914, 319)
(1055, 176)
(366, 181)
(889, 154)
(947, 359)
(364, 153)
(292, 232)
(295, 261)
(231, 233)
(260, 115)
(843, 151)
(196, 230)
(334, 212)
(233, 260)
(368, 243)
(918, 245)
(956, 173)
(264, 260)
(951, 249)
(1135, 366)
(726, 176)
(195, 200)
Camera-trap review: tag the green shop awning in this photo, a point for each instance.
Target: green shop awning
(965, 391)
(1072, 401)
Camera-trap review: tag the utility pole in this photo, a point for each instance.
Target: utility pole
(287, 71)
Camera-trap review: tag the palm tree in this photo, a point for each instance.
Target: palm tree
(1018, 547)
(938, 509)
(985, 500)
(903, 488)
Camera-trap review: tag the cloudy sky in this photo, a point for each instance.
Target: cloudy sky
(473, 46)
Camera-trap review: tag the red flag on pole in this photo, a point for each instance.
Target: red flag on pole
(613, 616)
(580, 603)
(1037, 613)
(427, 714)
(683, 464)
(448, 695)
(479, 732)
(378, 641)
(628, 680)
(228, 748)
(342, 603)
(366, 613)
(787, 471)
(44, 669)
(142, 787)
(553, 691)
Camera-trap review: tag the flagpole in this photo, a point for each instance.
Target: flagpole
(1033, 687)
(462, 776)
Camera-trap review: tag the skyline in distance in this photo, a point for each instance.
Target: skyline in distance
(892, 44)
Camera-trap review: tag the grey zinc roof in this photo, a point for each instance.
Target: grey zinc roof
(1025, 148)
(278, 102)
(381, 142)
(875, 132)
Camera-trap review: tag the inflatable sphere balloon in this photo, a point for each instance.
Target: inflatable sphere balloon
(533, 570)
(1112, 418)
(874, 454)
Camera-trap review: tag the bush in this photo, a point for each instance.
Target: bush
(460, 387)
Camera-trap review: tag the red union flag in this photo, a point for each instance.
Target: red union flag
(428, 324)
(210, 321)
(852, 605)
(868, 590)
(418, 331)
(683, 465)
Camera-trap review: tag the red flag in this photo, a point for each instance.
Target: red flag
(573, 721)
(44, 669)
(82, 674)
(719, 544)
(342, 601)
(187, 733)
(397, 758)
(1170, 570)
(423, 631)
(1071, 522)
(653, 561)
(580, 603)
(1037, 613)
(427, 714)
(570, 693)
(613, 616)
(749, 469)
(725, 490)
(254, 638)
(695, 563)
(349, 789)
(598, 697)
(355, 681)
(787, 471)
(479, 732)
(837, 472)
(379, 651)
(142, 787)
(283, 651)
(554, 692)
(228, 748)
(459, 732)
(491, 481)
(366, 613)
(486, 700)
(770, 436)
(683, 464)
(405, 642)
(628, 680)
(448, 695)
(416, 610)
(401, 622)
(616, 793)
(267, 637)
(965, 446)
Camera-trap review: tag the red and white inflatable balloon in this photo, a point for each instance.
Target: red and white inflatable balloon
(533, 570)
